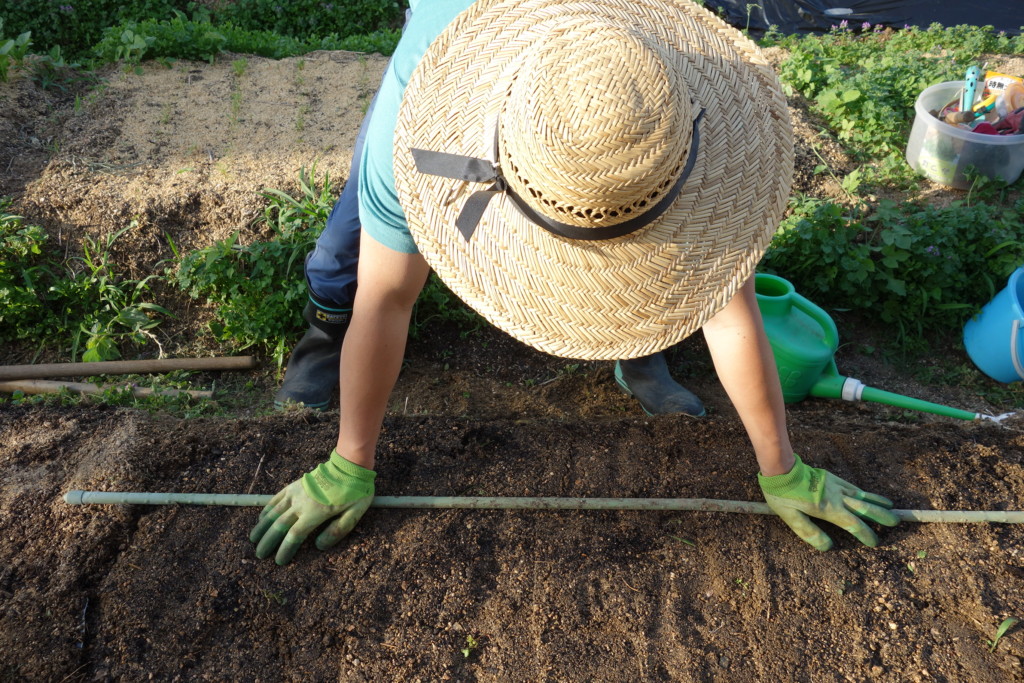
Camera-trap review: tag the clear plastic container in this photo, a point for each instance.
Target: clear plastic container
(941, 151)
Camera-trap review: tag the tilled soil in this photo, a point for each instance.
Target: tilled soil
(175, 592)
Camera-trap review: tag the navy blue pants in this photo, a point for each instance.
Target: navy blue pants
(331, 266)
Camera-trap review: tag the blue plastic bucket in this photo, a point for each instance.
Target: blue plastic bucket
(994, 337)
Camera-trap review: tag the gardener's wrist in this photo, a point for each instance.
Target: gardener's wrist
(781, 463)
(365, 457)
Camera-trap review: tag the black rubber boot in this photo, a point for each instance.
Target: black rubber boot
(312, 373)
(648, 380)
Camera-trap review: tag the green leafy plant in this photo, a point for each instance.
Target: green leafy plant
(24, 273)
(52, 72)
(865, 91)
(471, 645)
(750, 9)
(199, 39)
(917, 266)
(311, 17)
(1004, 627)
(76, 25)
(278, 597)
(966, 375)
(236, 105)
(111, 307)
(258, 289)
(300, 117)
(132, 46)
(912, 566)
(133, 30)
(180, 405)
(12, 51)
(82, 301)
(177, 38)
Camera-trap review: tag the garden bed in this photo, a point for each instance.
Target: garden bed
(130, 592)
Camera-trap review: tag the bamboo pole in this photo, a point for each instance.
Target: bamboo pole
(75, 497)
(124, 367)
(44, 386)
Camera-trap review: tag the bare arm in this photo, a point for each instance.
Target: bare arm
(342, 488)
(374, 346)
(745, 365)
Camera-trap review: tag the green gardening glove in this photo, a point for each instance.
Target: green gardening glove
(806, 492)
(336, 488)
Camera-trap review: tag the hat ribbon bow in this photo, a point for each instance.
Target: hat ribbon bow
(475, 170)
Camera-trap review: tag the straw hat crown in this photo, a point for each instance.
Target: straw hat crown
(594, 140)
(597, 178)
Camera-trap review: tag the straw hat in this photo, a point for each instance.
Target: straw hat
(595, 178)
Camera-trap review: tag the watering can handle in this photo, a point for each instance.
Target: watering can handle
(819, 315)
(1017, 365)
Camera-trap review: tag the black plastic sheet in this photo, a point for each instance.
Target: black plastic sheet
(818, 16)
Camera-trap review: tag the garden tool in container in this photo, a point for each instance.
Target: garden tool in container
(804, 341)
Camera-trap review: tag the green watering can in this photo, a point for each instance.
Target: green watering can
(804, 341)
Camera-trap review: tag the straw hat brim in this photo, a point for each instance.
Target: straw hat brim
(612, 299)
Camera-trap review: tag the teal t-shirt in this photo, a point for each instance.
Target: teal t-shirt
(380, 213)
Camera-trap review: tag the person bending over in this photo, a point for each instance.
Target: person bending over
(599, 181)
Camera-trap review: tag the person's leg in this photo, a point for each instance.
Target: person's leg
(331, 268)
(312, 372)
(332, 265)
(648, 380)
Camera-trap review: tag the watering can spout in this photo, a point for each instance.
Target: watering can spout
(804, 340)
(833, 385)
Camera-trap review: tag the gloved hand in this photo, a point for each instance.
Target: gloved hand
(335, 487)
(806, 490)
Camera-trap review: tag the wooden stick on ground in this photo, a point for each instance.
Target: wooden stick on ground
(124, 367)
(43, 386)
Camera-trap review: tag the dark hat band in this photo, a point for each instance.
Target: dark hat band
(474, 170)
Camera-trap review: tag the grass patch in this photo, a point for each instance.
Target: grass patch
(81, 305)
